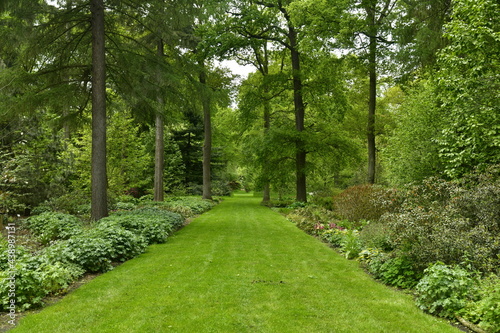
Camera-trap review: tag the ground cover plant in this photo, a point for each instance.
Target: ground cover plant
(239, 267)
(60, 247)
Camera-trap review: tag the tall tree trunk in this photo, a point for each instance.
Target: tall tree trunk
(299, 105)
(372, 104)
(267, 126)
(264, 69)
(99, 179)
(159, 136)
(207, 144)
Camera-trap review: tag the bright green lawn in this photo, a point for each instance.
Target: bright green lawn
(237, 268)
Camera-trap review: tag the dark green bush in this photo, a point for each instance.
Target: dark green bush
(52, 226)
(322, 201)
(71, 203)
(221, 188)
(444, 290)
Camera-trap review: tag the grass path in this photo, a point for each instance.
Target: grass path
(237, 268)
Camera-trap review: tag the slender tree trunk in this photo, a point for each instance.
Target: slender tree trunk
(99, 179)
(267, 126)
(372, 105)
(207, 144)
(159, 136)
(267, 123)
(298, 100)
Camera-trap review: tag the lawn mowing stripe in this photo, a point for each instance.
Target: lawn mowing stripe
(237, 268)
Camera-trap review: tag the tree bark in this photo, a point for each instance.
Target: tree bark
(207, 144)
(267, 125)
(299, 105)
(372, 104)
(99, 202)
(159, 136)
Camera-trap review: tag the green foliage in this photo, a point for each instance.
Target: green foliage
(486, 311)
(468, 84)
(445, 221)
(89, 251)
(396, 271)
(350, 244)
(124, 244)
(333, 236)
(376, 235)
(153, 224)
(128, 162)
(184, 206)
(444, 290)
(75, 203)
(53, 226)
(32, 169)
(125, 206)
(411, 152)
(35, 277)
(311, 218)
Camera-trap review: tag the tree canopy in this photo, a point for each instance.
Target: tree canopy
(343, 92)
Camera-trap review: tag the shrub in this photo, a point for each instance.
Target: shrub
(365, 202)
(444, 290)
(376, 235)
(399, 272)
(443, 221)
(278, 203)
(51, 226)
(71, 203)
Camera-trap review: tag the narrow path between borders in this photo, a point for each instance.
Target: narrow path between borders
(238, 268)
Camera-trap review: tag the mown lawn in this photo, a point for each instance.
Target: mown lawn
(237, 268)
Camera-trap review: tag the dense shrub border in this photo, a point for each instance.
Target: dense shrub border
(71, 248)
(440, 240)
